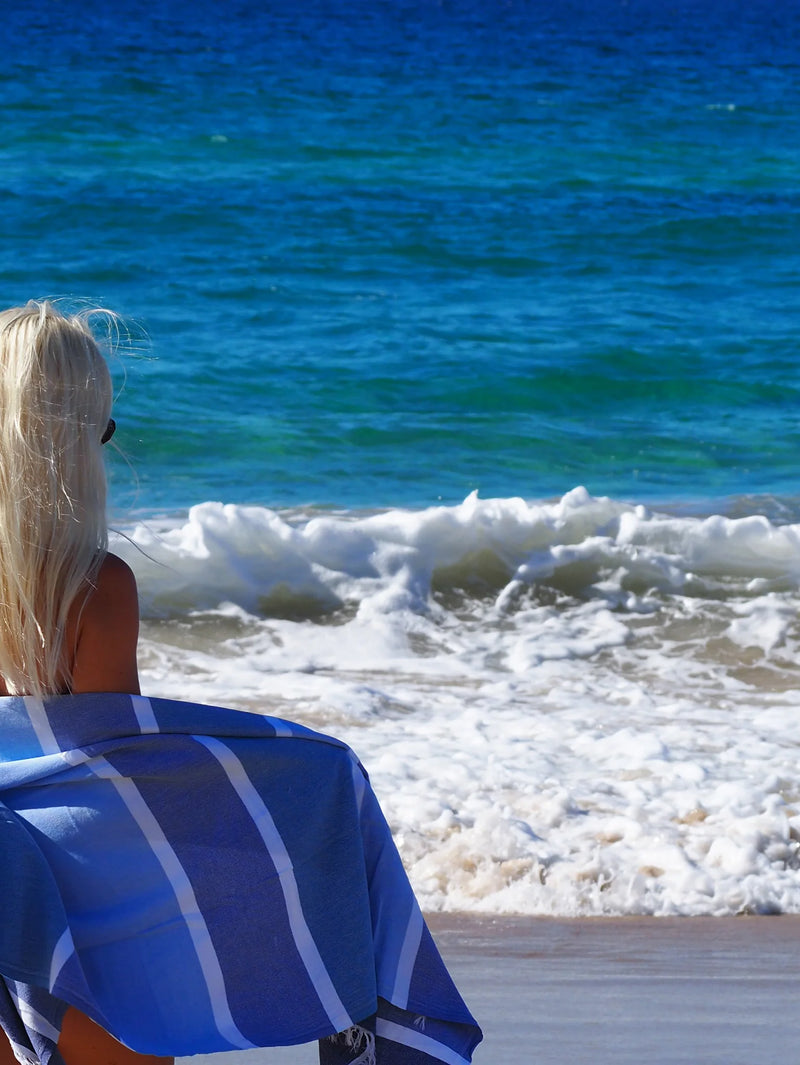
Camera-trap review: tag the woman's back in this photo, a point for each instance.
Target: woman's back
(101, 634)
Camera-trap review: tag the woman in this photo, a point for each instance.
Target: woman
(69, 617)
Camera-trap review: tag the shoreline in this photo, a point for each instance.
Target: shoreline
(614, 990)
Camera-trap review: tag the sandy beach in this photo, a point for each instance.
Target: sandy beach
(613, 991)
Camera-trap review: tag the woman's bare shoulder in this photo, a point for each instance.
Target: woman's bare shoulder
(115, 575)
(113, 597)
(108, 631)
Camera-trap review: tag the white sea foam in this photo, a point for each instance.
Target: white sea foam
(576, 707)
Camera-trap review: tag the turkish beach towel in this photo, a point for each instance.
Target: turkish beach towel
(198, 879)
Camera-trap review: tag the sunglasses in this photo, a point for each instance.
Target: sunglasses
(110, 428)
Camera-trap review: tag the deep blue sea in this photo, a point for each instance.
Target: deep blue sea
(400, 276)
(390, 252)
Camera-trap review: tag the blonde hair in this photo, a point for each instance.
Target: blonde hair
(55, 403)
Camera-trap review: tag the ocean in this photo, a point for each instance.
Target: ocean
(457, 405)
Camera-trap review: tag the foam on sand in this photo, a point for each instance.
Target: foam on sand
(579, 707)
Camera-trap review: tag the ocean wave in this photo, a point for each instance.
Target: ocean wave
(298, 564)
(575, 707)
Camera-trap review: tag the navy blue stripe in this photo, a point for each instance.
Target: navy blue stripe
(315, 812)
(461, 1035)
(432, 989)
(89, 719)
(177, 717)
(235, 883)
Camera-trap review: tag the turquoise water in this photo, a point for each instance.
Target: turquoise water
(383, 255)
(390, 253)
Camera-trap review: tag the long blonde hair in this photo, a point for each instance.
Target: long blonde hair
(55, 403)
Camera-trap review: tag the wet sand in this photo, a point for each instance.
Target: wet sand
(616, 991)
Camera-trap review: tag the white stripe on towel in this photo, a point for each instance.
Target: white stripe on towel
(32, 1019)
(63, 951)
(304, 941)
(407, 959)
(187, 901)
(410, 1038)
(41, 725)
(145, 717)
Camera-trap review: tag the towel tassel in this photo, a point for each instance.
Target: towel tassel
(355, 1038)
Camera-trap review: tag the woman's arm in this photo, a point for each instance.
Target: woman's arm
(107, 633)
(82, 1042)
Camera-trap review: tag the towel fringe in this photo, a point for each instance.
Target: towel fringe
(23, 1055)
(354, 1039)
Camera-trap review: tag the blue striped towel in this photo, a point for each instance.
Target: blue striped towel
(197, 879)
